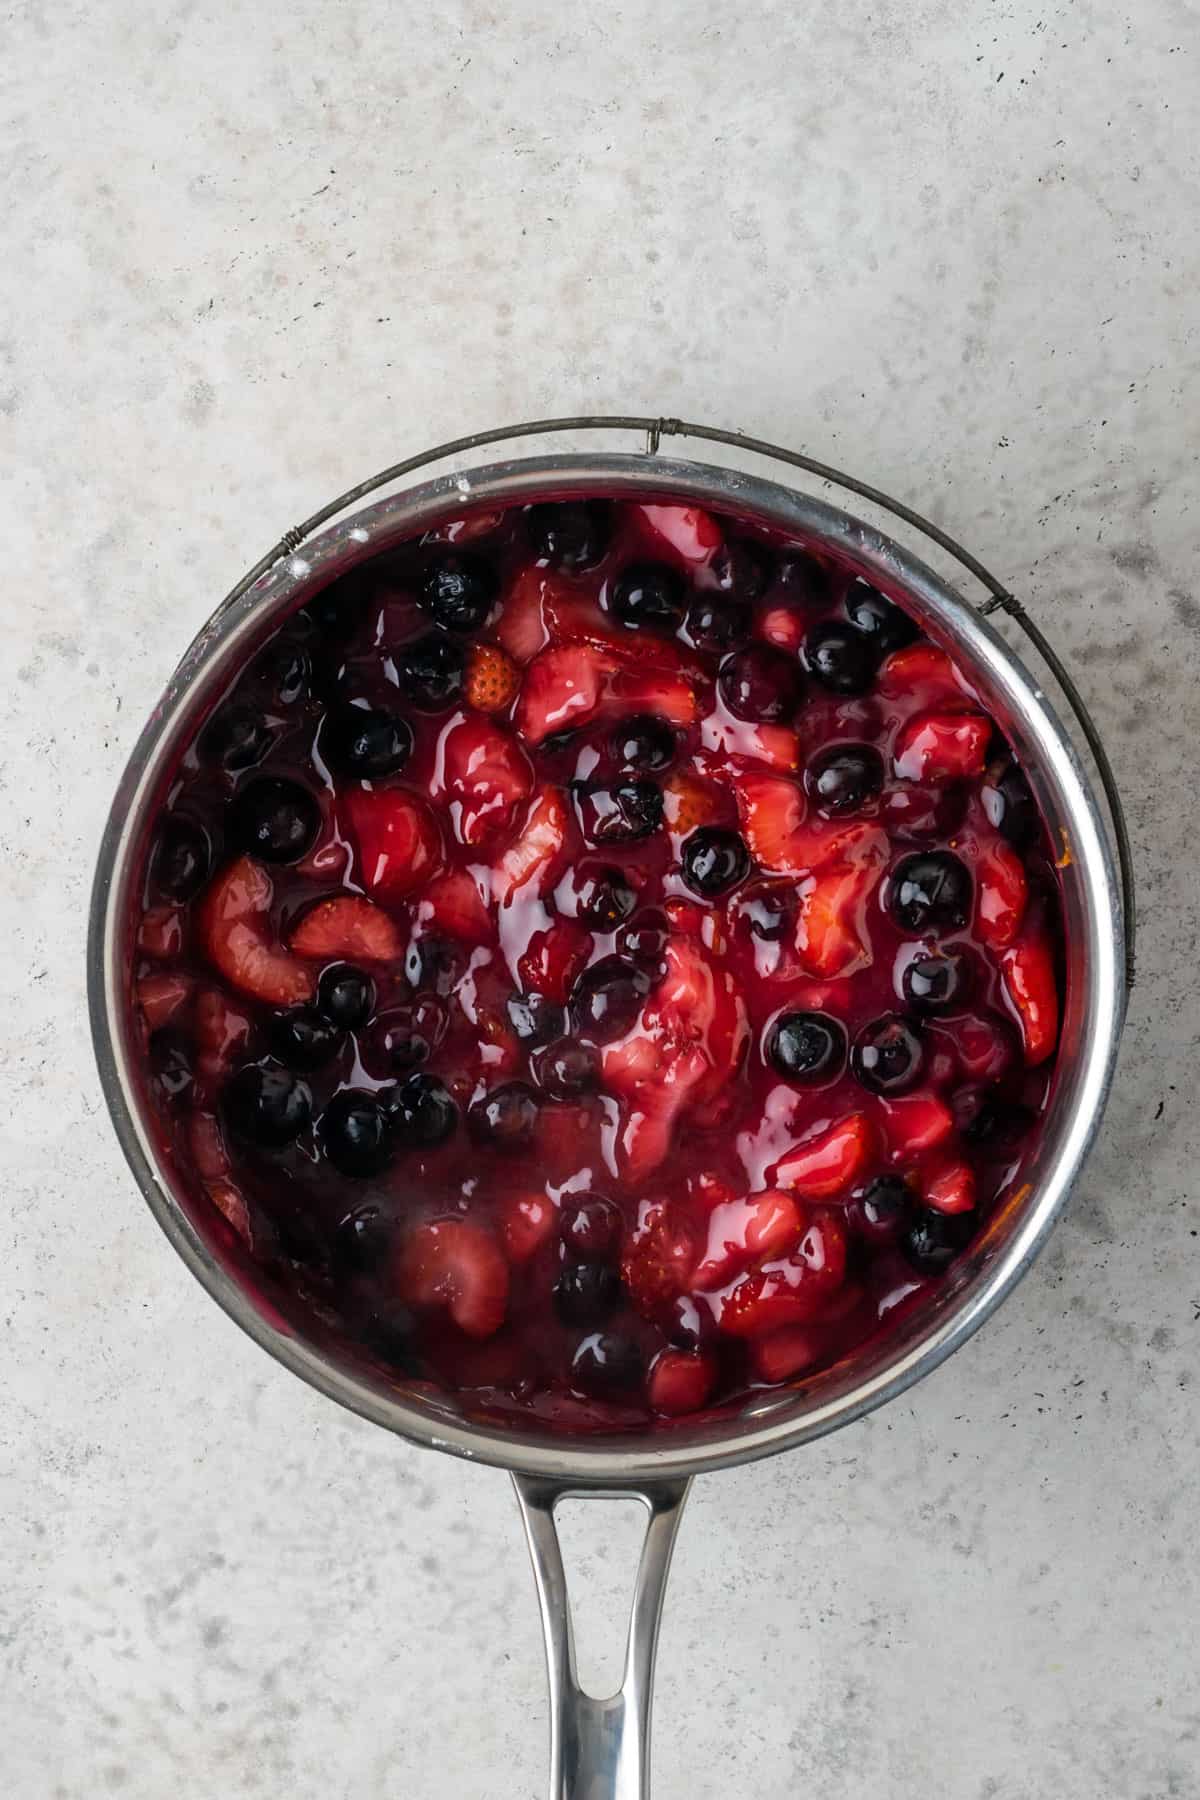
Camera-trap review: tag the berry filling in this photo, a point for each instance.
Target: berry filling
(600, 959)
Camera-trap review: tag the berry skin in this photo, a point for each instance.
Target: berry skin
(432, 672)
(646, 745)
(458, 591)
(879, 1213)
(570, 534)
(936, 984)
(887, 626)
(273, 819)
(715, 861)
(930, 892)
(354, 1133)
(402, 1039)
(235, 738)
(607, 1363)
(492, 679)
(181, 859)
(365, 741)
(807, 1046)
(567, 1069)
(933, 1239)
(268, 1107)
(648, 596)
(620, 814)
(840, 658)
(842, 780)
(586, 1293)
(506, 1118)
(345, 996)
(761, 684)
(887, 1056)
(421, 1113)
(303, 1039)
(608, 997)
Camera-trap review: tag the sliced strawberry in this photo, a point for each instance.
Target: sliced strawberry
(830, 934)
(943, 747)
(532, 861)
(784, 627)
(685, 533)
(1028, 970)
(459, 1266)
(951, 1189)
(689, 802)
(466, 530)
(825, 1163)
(1001, 894)
(230, 1203)
(915, 1123)
(521, 629)
(453, 904)
(233, 923)
(982, 1045)
(484, 774)
(790, 1292)
(725, 740)
(163, 998)
(206, 1143)
(553, 958)
(743, 1232)
(575, 684)
(348, 926)
(492, 679)
(784, 1353)
(399, 845)
(659, 1257)
(681, 1381)
(773, 812)
(222, 1033)
(160, 933)
(923, 674)
(527, 1221)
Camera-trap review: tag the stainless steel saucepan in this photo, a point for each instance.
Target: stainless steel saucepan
(600, 1747)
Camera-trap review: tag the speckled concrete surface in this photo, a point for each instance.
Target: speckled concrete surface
(251, 253)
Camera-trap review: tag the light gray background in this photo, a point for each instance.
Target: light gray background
(251, 253)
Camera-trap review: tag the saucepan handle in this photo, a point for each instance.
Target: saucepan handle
(600, 1747)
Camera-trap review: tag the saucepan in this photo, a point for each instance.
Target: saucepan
(600, 1746)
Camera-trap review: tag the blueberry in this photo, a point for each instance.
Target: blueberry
(645, 937)
(806, 1046)
(569, 534)
(620, 814)
(535, 1019)
(566, 1069)
(840, 658)
(283, 669)
(354, 1133)
(771, 912)
(181, 859)
(458, 590)
(1009, 803)
(433, 965)
(589, 1225)
(761, 684)
(336, 613)
(274, 819)
(391, 1332)
(689, 1323)
(922, 814)
(421, 1112)
(888, 627)
(843, 778)
(648, 596)
(267, 1106)
(717, 624)
(887, 1055)
(607, 1362)
(235, 738)
(302, 1039)
(644, 743)
(992, 1123)
(432, 672)
(170, 1064)
(363, 1239)
(742, 569)
(879, 1212)
(365, 741)
(608, 997)
(935, 984)
(345, 996)
(604, 898)
(399, 1040)
(505, 1118)
(934, 1239)
(714, 860)
(930, 892)
(805, 579)
(586, 1293)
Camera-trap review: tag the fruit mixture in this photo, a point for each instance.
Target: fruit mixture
(602, 958)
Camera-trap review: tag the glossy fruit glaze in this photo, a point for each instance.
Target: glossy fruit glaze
(602, 959)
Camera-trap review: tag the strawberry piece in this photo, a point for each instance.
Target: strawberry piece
(685, 533)
(681, 1381)
(458, 1266)
(783, 627)
(222, 1033)
(826, 1163)
(553, 958)
(484, 773)
(742, 1232)
(527, 1221)
(206, 1143)
(915, 1123)
(658, 1259)
(453, 904)
(1028, 971)
(688, 803)
(347, 926)
(399, 845)
(725, 740)
(533, 859)
(576, 684)
(830, 937)
(233, 921)
(160, 933)
(467, 530)
(943, 747)
(791, 1292)
(1001, 894)
(982, 1046)
(784, 1353)
(163, 998)
(230, 1203)
(773, 811)
(925, 674)
(951, 1189)
(492, 679)
(521, 629)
